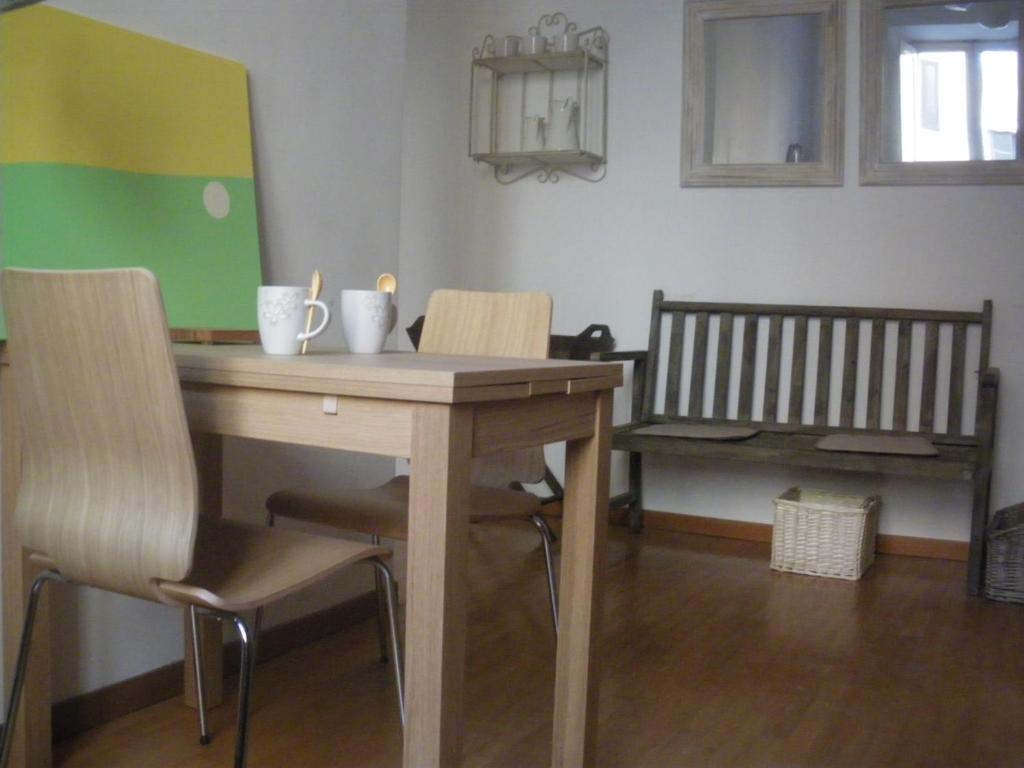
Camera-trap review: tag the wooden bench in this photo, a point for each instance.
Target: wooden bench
(891, 391)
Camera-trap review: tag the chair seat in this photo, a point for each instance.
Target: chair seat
(239, 566)
(384, 510)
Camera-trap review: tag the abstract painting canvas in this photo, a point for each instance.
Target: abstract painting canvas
(119, 149)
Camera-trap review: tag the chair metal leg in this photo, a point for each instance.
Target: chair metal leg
(257, 626)
(257, 619)
(547, 538)
(22, 664)
(197, 661)
(248, 662)
(391, 594)
(382, 616)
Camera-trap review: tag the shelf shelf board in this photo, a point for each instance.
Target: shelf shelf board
(545, 62)
(546, 157)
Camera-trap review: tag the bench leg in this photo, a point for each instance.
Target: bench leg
(979, 522)
(636, 510)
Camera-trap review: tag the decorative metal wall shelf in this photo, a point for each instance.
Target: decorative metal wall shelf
(538, 111)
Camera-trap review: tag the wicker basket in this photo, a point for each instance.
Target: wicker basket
(824, 534)
(1004, 559)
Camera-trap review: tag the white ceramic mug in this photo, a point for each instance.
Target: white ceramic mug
(534, 129)
(367, 317)
(509, 45)
(567, 42)
(536, 45)
(282, 318)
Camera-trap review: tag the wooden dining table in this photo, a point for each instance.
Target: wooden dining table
(439, 412)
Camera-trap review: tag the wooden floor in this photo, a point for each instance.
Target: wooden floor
(711, 659)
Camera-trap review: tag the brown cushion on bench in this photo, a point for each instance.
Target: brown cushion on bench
(698, 431)
(893, 444)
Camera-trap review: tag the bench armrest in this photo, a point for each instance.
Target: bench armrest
(985, 420)
(622, 357)
(639, 360)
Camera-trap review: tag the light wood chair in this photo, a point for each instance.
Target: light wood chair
(108, 495)
(457, 323)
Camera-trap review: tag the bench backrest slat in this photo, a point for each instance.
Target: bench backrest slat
(724, 365)
(874, 417)
(771, 380)
(799, 370)
(699, 367)
(893, 364)
(902, 376)
(675, 363)
(956, 377)
(930, 375)
(821, 391)
(851, 355)
(747, 363)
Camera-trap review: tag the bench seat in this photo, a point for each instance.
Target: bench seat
(957, 460)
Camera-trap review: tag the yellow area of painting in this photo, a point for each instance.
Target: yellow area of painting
(81, 92)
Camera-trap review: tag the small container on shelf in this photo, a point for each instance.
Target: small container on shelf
(509, 45)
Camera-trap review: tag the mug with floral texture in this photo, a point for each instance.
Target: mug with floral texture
(367, 317)
(282, 318)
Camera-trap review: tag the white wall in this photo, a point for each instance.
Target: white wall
(601, 249)
(327, 131)
(330, 116)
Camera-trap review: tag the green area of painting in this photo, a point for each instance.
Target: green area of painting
(70, 217)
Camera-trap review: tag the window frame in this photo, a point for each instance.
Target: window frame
(874, 168)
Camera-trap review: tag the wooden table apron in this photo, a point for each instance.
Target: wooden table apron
(439, 428)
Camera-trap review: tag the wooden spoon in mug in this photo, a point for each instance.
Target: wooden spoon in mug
(387, 283)
(314, 293)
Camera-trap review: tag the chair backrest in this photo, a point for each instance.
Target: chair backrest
(497, 325)
(108, 488)
(493, 324)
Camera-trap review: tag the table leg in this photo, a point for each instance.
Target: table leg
(209, 453)
(584, 533)
(442, 443)
(33, 737)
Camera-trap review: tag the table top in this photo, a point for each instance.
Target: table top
(393, 375)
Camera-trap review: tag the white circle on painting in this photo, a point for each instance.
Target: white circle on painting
(216, 200)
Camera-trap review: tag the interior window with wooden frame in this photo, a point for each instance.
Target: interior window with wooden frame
(763, 93)
(941, 92)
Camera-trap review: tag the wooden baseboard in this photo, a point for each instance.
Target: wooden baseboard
(910, 546)
(707, 526)
(95, 708)
(887, 544)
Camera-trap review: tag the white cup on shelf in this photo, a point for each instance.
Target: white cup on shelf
(510, 45)
(536, 45)
(567, 42)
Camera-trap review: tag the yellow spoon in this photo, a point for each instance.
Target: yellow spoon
(387, 283)
(314, 294)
